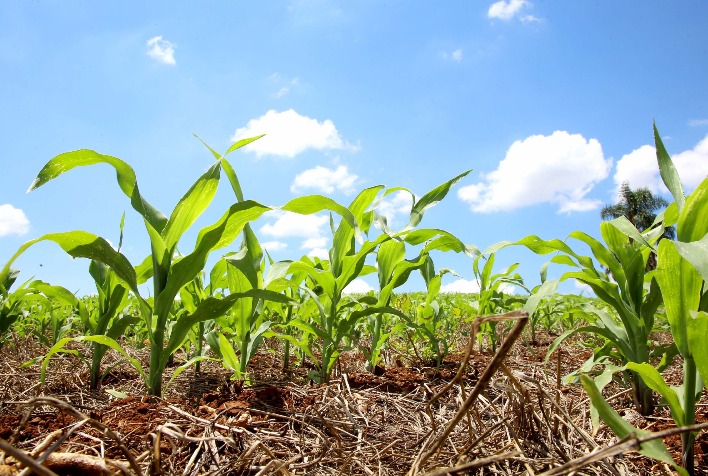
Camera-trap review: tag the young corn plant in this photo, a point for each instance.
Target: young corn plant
(682, 273)
(53, 311)
(337, 314)
(393, 271)
(491, 296)
(628, 289)
(107, 318)
(423, 319)
(245, 321)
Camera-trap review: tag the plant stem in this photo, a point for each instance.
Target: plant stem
(156, 367)
(688, 438)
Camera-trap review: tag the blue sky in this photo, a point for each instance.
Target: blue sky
(551, 103)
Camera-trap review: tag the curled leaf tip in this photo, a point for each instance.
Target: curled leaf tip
(34, 185)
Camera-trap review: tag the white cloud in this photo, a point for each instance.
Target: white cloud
(460, 286)
(455, 56)
(509, 9)
(640, 168)
(394, 204)
(13, 221)
(289, 134)
(273, 246)
(289, 224)
(321, 253)
(292, 225)
(358, 286)
(325, 180)
(698, 122)
(692, 165)
(161, 50)
(561, 168)
(317, 242)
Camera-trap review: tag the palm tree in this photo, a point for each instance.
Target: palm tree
(639, 206)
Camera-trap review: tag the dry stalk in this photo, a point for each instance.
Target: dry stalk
(68, 408)
(476, 464)
(521, 318)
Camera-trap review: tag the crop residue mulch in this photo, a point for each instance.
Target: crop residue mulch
(360, 423)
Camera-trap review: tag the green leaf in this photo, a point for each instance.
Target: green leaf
(226, 352)
(191, 206)
(60, 346)
(697, 332)
(342, 241)
(653, 449)
(693, 219)
(390, 253)
(696, 253)
(115, 393)
(55, 293)
(680, 286)
(82, 244)
(210, 238)
(255, 341)
(242, 143)
(626, 227)
(656, 382)
(668, 171)
(310, 204)
(243, 262)
(546, 289)
(431, 199)
(124, 173)
(353, 265)
(322, 277)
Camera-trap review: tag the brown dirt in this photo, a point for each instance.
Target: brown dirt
(360, 423)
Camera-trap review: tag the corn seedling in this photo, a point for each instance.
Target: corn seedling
(491, 296)
(681, 273)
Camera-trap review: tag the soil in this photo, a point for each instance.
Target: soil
(359, 423)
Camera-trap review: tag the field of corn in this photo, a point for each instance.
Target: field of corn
(262, 367)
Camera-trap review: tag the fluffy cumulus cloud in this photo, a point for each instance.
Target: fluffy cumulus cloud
(13, 221)
(460, 286)
(560, 169)
(358, 286)
(316, 242)
(288, 225)
(325, 180)
(308, 228)
(640, 168)
(509, 9)
(289, 134)
(161, 50)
